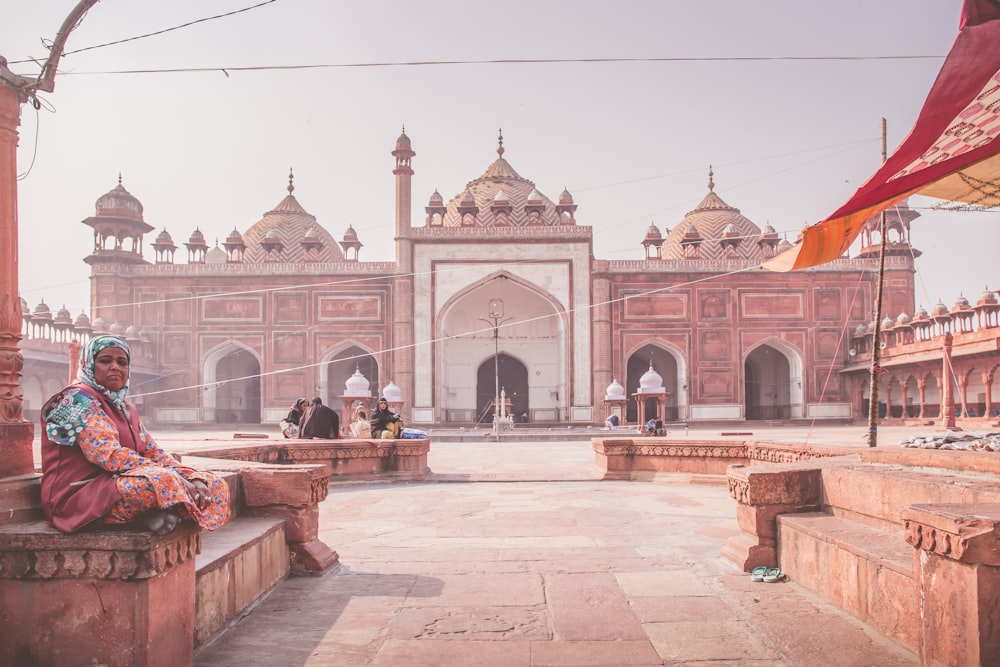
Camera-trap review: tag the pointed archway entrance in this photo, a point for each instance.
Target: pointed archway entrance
(342, 366)
(232, 379)
(772, 382)
(513, 383)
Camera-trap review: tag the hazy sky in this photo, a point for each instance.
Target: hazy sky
(789, 140)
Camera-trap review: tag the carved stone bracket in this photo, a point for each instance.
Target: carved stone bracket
(38, 551)
(964, 533)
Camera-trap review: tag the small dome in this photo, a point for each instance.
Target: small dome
(986, 298)
(64, 316)
(730, 229)
(216, 256)
(860, 330)
(117, 329)
(350, 234)
(653, 232)
(903, 318)
(871, 326)
(961, 303)
(100, 324)
(357, 385)
(310, 234)
(392, 393)
(783, 245)
(119, 202)
(651, 382)
(436, 199)
(501, 197)
(234, 236)
(273, 235)
(197, 238)
(534, 195)
(768, 229)
(42, 311)
(164, 238)
(614, 392)
(468, 199)
(82, 320)
(939, 309)
(921, 314)
(132, 331)
(887, 323)
(565, 197)
(403, 142)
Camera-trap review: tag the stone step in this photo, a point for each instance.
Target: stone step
(869, 573)
(238, 565)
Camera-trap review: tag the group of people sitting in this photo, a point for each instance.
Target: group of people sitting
(311, 419)
(653, 427)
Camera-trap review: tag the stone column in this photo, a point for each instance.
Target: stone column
(922, 388)
(947, 388)
(15, 433)
(603, 366)
(988, 382)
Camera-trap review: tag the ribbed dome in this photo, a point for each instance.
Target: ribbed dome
(357, 386)
(117, 329)
(961, 303)
(714, 221)
(392, 393)
(234, 237)
(63, 316)
(939, 309)
(289, 223)
(887, 323)
(860, 330)
(132, 331)
(534, 195)
(615, 391)
(100, 324)
(403, 142)
(164, 238)
(903, 318)
(501, 196)
(653, 233)
(436, 199)
(921, 314)
(82, 320)
(565, 197)
(350, 234)
(119, 203)
(651, 382)
(986, 298)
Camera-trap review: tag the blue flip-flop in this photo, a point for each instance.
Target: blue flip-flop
(758, 573)
(773, 575)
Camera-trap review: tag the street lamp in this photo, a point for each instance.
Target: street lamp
(495, 319)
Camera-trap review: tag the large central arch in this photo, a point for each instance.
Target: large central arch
(232, 385)
(772, 381)
(531, 333)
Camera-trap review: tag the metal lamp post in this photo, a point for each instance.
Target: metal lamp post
(495, 319)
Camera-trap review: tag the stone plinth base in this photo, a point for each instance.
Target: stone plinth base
(15, 446)
(116, 597)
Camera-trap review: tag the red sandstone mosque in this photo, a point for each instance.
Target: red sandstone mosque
(499, 287)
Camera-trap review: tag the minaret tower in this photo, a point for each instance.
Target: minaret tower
(401, 368)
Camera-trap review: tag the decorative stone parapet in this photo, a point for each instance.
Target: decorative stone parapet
(621, 457)
(38, 551)
(762, 493)
(289, 492)
(116, 597)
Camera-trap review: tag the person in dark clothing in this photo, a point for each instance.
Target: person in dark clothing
(386, 424)
(320, 421)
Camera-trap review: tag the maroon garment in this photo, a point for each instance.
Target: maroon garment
(74, 490)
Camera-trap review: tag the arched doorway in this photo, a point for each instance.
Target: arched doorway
(342, 366)
(772, 379)
(232, 379)
(664, 363)
(513, 382)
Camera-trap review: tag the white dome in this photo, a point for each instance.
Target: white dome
(614, 392)
(357, 385)
(392, 393)
(651, 382)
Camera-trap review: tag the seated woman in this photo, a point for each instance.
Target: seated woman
(361, 427)
(100, 465)
(386, 424)
(290, 424)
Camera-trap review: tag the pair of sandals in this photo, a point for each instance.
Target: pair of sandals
(768, 575)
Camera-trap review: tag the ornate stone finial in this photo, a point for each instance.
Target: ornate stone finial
(119, 178)
(711, 183)
(500, 140)
(291, 177)
(404, 128)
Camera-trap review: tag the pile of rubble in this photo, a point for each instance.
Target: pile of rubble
(989, 442)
